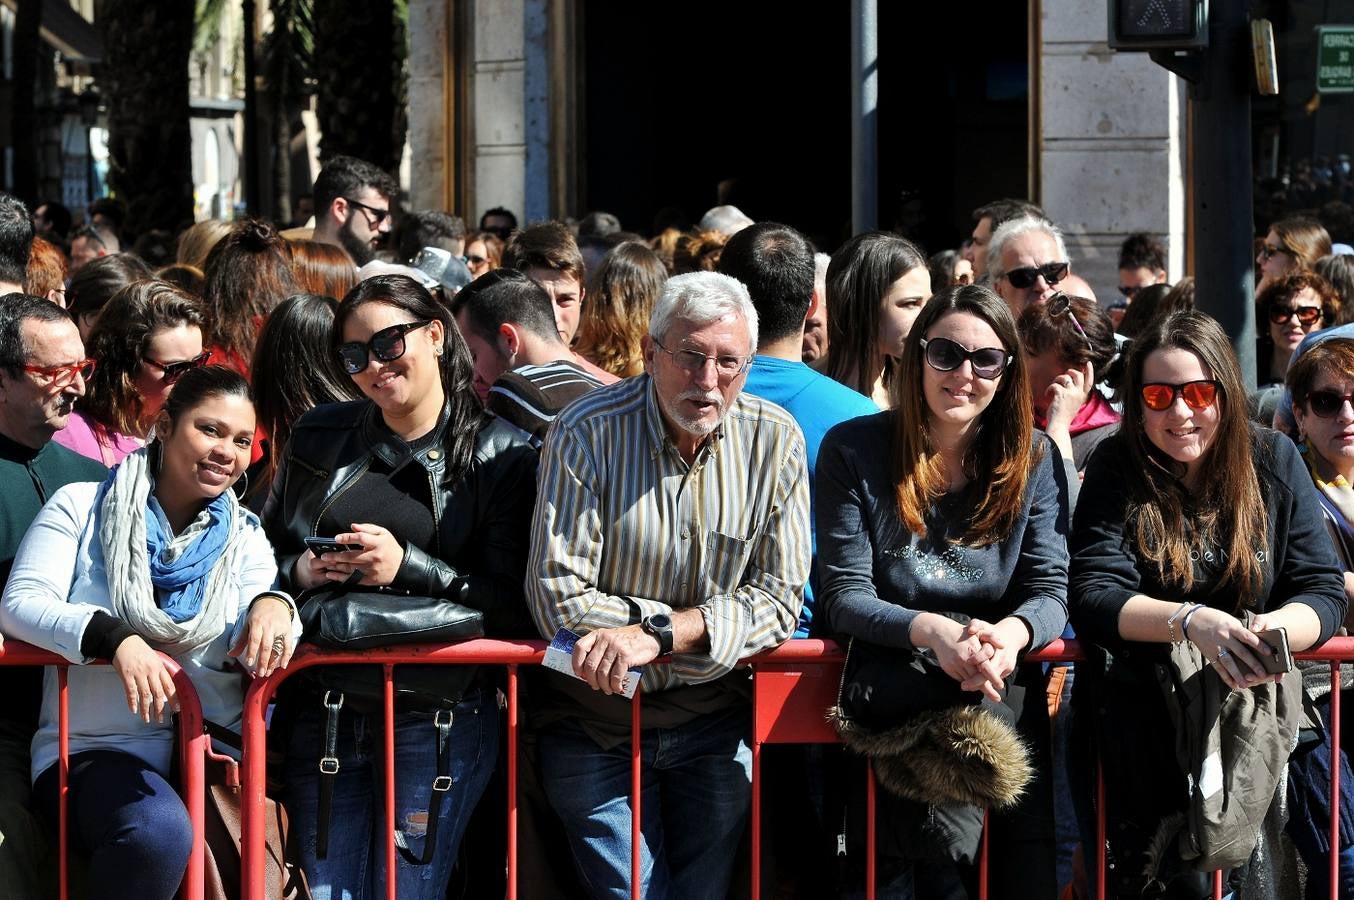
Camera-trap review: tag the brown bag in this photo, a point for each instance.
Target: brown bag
(222, 834)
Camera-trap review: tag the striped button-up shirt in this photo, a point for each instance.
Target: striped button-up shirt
(624, 528)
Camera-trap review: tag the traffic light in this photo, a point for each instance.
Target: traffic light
(1158, 24)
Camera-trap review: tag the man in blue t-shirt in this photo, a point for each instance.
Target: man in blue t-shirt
(775, 262)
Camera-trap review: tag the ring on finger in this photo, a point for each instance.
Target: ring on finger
(1223, 653)
(279, 646)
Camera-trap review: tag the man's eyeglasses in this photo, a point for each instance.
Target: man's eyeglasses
(387, 345)
(172, 372)
(1025, 276)
(945, 355)
(380, 214)
(726, 365)
(1307, 315)
(1267, 252)
(58, 377)
(1061, 305)
(1327, 404)
(1158, 395)
(1130, 290)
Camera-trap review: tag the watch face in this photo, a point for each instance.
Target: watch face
(660, 621)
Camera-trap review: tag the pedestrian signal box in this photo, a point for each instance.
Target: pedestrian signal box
(1158, 24)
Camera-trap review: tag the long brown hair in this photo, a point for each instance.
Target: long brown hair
(1165, 520)
(248, 273)
(1001, 455)
(616, 317)
(858, 277)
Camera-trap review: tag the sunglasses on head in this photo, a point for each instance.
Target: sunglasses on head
(1061, 305)
(387, 345)
(1159, 395)
(172, 372)
(1026, 276)
(1327, 404)
(1307, 315)
(945, 355)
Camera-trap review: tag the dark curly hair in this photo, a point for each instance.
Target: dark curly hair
(120, 338)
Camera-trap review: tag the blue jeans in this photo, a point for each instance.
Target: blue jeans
(696, 796)
(127, 818)
(355, 866)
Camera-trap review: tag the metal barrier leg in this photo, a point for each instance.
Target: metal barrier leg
(63, 778)
(756, 808)
(636, 879)
(1100, 835)
(870, 867)
(512, 782)
(1217, 884)
(388, 676)
(1335, 780)
(982, 856)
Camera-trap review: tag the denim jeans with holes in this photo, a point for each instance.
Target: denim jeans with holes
(696, 793)
(355, 866)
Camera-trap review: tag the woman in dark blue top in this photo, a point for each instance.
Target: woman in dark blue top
(941, 527)
(1189, 519)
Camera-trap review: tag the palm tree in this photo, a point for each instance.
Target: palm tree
(359, 66)
(287, 63)
(145, 86)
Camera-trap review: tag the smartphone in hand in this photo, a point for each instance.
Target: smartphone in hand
(318, 545)
(1281, 660)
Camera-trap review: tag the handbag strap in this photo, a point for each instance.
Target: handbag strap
(442, 720)
(329, 767)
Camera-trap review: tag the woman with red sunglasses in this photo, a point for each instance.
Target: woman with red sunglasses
(148, 335)
(1194, 533)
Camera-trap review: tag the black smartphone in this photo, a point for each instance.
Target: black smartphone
(1282, 659)
(318, 545)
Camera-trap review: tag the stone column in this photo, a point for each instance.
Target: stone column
(432, 182)
(1111, 144)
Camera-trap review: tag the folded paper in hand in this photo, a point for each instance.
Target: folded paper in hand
(560, 657)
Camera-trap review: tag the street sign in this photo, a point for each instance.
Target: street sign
(1335, 59)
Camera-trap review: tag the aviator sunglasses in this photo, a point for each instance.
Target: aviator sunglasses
(1026, 276)
(945, 355)
(172, 372)
(1327, 404)
(1158, 395)
(1307, 315)
(387, 345)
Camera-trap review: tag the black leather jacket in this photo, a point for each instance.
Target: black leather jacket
(482, 521)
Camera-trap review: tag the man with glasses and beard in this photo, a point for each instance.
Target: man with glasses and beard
(1026, 260)
(671, 531)
(42, 373)
(352, 206)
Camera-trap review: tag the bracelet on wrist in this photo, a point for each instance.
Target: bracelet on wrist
(1184, 623)
(280, 598)
(1170, 623)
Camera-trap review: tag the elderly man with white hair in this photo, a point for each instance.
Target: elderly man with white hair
(672, 524)
(1026, 259)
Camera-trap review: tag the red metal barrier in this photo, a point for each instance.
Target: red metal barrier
(193, 746)
(793, 686)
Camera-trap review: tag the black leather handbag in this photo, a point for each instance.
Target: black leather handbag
(346, 618)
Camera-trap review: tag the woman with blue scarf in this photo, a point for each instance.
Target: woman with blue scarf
(159, 557)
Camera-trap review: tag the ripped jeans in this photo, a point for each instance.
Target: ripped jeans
(355, 867)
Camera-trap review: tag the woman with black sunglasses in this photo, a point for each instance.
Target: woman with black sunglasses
(941, 531)
(1286, 311)
(148, 335)
(434, 497)
(1195, 532)
(1321, 382)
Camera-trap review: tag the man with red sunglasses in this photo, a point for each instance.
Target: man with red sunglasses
(1026, 259)
(42, 363)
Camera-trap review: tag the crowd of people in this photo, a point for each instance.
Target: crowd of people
(677, 452)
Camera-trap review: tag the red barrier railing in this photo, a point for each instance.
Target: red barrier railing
(793, 686)
(193, 747)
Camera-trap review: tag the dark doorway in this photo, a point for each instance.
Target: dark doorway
(689, 106)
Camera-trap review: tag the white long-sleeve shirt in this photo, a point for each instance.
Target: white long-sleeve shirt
(58, 583)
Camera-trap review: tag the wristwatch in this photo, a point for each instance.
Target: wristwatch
(660, 626)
